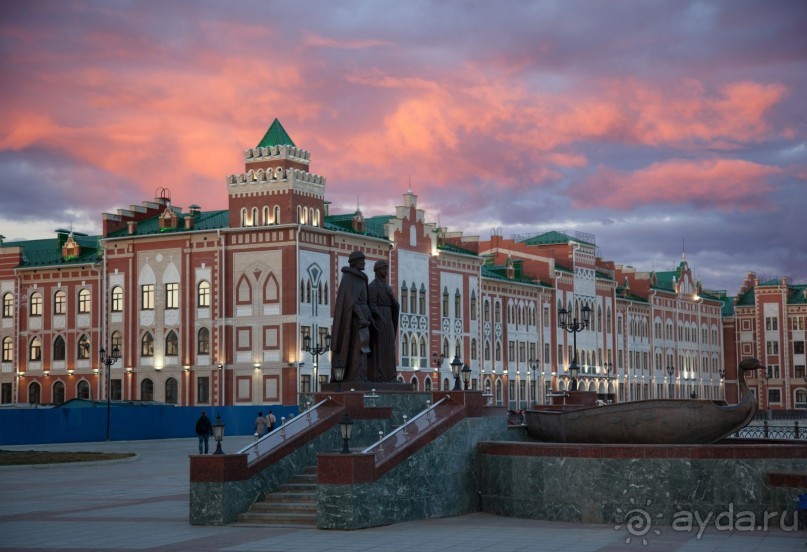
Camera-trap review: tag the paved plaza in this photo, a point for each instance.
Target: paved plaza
(142, 504)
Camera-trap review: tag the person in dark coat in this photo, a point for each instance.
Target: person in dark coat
(350, 341)
(385, 309)
(204, 429)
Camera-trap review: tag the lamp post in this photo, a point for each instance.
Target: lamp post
(670, 384)
(533, 368)
(108, 361)
(218, 434)
(346, 428)
(466, 376)
(574, 327)
(456, 365)
(316, 351)
(338, 374)
(767, 393)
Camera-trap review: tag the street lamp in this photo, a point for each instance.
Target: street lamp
(534, 367)
(456, 365)
(346, 428)
(573, 328)
(466, 376)
(670, 383)
(108, 361)
(316, 351)
(218, 434)
(438, 361)
(338, 374)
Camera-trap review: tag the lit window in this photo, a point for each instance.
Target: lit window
(117, 299)
(8, 349)
(203, 294)
(147, 345)
(147, 297)
(84, 302)
(172, 296)
(60, 302)
(36, 349)
(84, 347)
(203, 342)
(171, 344)
(36, 304)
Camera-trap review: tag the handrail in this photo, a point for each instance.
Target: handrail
(402, 427)
(278, 436)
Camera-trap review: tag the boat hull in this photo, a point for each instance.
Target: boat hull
(659, 421)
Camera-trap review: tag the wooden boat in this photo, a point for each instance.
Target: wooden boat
(658, 421)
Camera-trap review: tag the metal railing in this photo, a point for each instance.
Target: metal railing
(420, 421)
(768, 431)
(288, 428)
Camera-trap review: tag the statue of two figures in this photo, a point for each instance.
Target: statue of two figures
(365, 323)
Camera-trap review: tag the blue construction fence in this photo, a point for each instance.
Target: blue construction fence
(88, 423)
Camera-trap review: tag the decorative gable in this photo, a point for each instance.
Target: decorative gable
(71, 249)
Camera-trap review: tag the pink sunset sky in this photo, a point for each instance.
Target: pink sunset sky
(659, 127)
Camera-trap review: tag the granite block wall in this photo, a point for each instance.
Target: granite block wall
(606, 490)
(439, 480)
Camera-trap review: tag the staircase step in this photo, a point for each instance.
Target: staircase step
(310, 478)
(279, 519)
(297, 487)
(295, 507)
(290, 497)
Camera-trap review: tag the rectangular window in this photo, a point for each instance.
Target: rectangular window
(203, 390)
(546, 317)
(84, 301)
(798, 347)
(147, 297)
(305, 383)
(560, 354)
(522, 352)
(60, 303)
(771, 323)
(172, 296)
(6, 393)
(799, 371)
(511, 351)
(774, 396)
(8, 349)
(117, 300)
(36, 304)
(546, 353)
(8, 305)
(116, 388)
(772, 347)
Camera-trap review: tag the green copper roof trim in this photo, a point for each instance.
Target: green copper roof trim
(276, 136)
(553, 237)
(204, 220)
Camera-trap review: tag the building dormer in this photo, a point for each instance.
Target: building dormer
(358, 223)
(276, 186)
(71, 249)
(168, 220)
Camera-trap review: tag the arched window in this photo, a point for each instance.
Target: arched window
(308, 291)
(243, 291)
(271, 290)
(8, 349)
(171, 344)
(473, 305)
(457, 304)
(414, 383)
(499, 392)
(446, 385)
(458, 349)
(498, 351)
(427, 385)
(473, 349)
(422, 299)
(58, 392)
(84, 303)
(299, 214)
(171, 391)
(445, 348)
(445, 303)
(404, 346)
(404, 298)
(35, 350)
(147, 345)
(117, 342)
(83, 390)
(203, 294)
(497, 312)
(487, 350)
(203, 342)
(116, 303)
(35, 308)
(254, 221)
(8, 305)
(83, 347)
(413, 298)
(58, 348)
(243, 217)
(422, 347)
(487, 310)
(59, 302)
(265, 215)
(599, 318)
(276, 218)
(146, 390)
(35, 393)
(414, 344)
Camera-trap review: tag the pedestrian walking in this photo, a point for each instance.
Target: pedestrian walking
(204, 429)
(260, 425)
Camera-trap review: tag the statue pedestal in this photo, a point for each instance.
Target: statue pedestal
(387, 387)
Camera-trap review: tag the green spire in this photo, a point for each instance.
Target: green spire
(276, 136)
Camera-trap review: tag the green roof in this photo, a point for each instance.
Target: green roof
(373, 226)
(499, 272)
(48, 252)
(552, 238)
(204, 220)
(275, 136)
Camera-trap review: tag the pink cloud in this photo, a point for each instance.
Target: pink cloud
(726, 184)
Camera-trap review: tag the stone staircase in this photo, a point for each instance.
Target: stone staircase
(293, 504)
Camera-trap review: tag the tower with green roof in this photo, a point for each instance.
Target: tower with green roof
(276, 186)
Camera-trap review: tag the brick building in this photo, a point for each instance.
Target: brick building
(211, 306)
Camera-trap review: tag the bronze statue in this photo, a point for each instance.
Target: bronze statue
(384, 307)
(350, 341)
